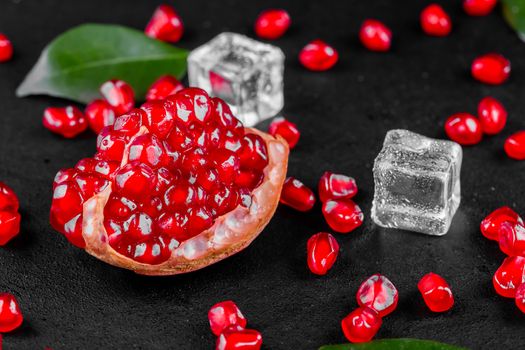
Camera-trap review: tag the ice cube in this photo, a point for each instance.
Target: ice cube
(246, 73)
(417, 183)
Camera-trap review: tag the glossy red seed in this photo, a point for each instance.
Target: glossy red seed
(148, 149)
(119, 95)
(375, 36)
(110, 145)
(435, 21)
(512, 238)
(361, 325)
(9, 226)
(379, 294)
(515, 145)
(6, 48)
(342, 215)
(479, 7)
(464, 128)
(73, 231)
(134, 180)
(99, 114)
(10, 315)
(163, 87)
(129, 124)
(491, 225)
(8, 198)
(318, 56)
(509, 276)
(436, 292)
(235, 338)
(336, 186)
(66, 121)
(286, 129)
(272, 24)
(296, 195)
(165, 25)
(492, 68)
(225, 314)
(492, 115)
(67, 203)
(322, 250)
(520, 297)
(253, 154)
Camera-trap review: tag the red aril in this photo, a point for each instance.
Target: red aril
(286, 129)
(342, 215)
(318, 56)
(479, 7)
(322, 250)
(379, 294)
(272, 24)
(509, 276)
(9, 226)
(491, 225)
(66, 121)
(99, 114)
(10, 315)
(6, 48)
(361, 325)
(520, 297)
(512, 238)
(515, 145)
(435, 21)
(296, 195)
(375, 36)
(223, 315)
(492, 115)
(464, 128)
(492, 68)
(235, 338)
(119, 95)
(165, 25)
(8, 198)
(436, 292)
(163, 87)
(336, 186)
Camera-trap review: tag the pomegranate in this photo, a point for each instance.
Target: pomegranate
(175, 186)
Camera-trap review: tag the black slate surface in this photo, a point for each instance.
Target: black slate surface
(72, 301)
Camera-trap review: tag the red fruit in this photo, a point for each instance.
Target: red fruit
(342, 215)
(375, 36)
(479, 7)
(119, 95)
(361, 325)
(492, 115)
(10, 315)
(286, 129)
(66, 121)
(223, 315)
(512, 238)
(435, 21)
(296, 195)
(336, 186)
(436, 292)
(99, 114)
(165, 25)
(235, 338)
(509, 276)
(322, 250)
(318, 56)
(272, 24)
(492, 68)
(464, 128)
(6, 48)
(9, 226)
(491, 225)
(163, 87)
(379, 294)
(8, 198)
(515, 145)
(520, 297)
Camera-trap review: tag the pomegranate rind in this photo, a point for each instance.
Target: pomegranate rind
(230, 233)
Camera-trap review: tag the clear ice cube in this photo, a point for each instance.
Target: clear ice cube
(246, 73)
(417, 183)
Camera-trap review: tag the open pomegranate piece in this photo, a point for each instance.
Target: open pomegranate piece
(175, 186)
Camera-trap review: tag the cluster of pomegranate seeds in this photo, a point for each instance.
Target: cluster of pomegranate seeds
(66, 121)
(491, 68)
(10, 315)
(492, 115)
(272, 24)
(318, 56)
(491, 225)
(296, 195)
(436, 292)
(479, 7)
(515, 146)
(286, 129)
(165, 25)
(163, 87)
(375, 36)
(435, 21)
(6, 48)
(9, 215)
(322, 250)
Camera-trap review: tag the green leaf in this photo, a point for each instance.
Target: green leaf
(394, 344)
(514, 13)
(76, 63)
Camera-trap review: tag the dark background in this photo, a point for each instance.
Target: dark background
(73, 301)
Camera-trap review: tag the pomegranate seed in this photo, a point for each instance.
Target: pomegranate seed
(286, 129)
(361, 325)
(492, 115)
(515, 145)
(272, 24)
(110, 145)
(435, 21)
(67, 203)
(436, 292)
(135, 180)
(253, 153)
(130, 123)
(318, 56)
(464, 128)
(492, 68)
(296, 195)
(119, 95)
(99, 114)
(67, 121)
(375, 36)
(6, 48)
(520, 297)
(225, 314)
(235, 338)
(149, 150)
(379, 294)
(509, 276)
(336, 186)
(163, 87)
(10, 315)
(479, 7)
(165, 25)
(9, 226)
(322, 251)
(342, 215)
(512, 239)
(8, 198)
(491, 225)
(73, 231)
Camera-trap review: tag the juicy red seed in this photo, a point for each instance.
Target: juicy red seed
(134, 180)
(201, 106)
(336, 186)
(253, 154)
(9, 226)
(67, 203)
(479, 7)
(163, 87)
(62, 176)
(139, 226)
(149, 150)
(6, 48)
(492, 115)
(208, 179)
(272, 24)
(199, 219)
(223, 200)
(90, 185)
(165, 25)
(129, 124)
(515, 145)
(225, 314)
(152, 251)
(8, 198)
(106, 169)
(491, 225)
(322, 250)
(86, 165)
(509, 276)
(159, 117)
(227, 164)
(342, 215)
(464, 128)
(73, 231)
(119, 95)
(435, 21)
(286, 129)
(379, 294)
(237, 338)
(249, 179)
(225, 116)
(361, 325)
(110, 144)
(165, 179)
(436, 292)
(375, 36)
(66, 121)
(318, 56)
(512, 238)
(119, 207)
(296, 195)
(180, 195)
(10, 315)
(520, 297)
(492, 68)
(174, 225)
(99, 114)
